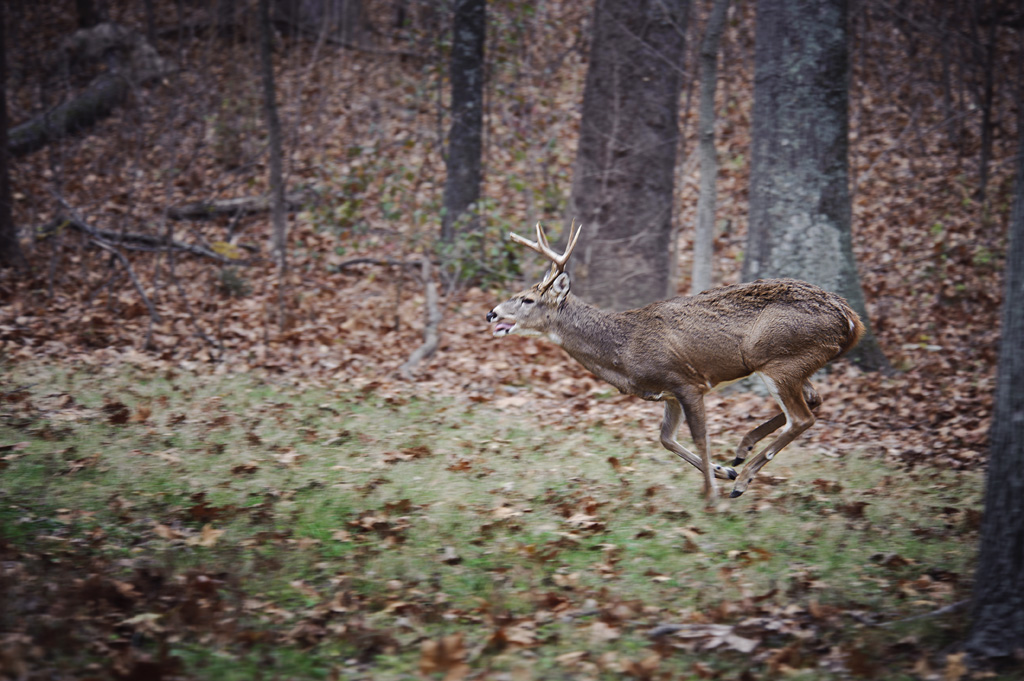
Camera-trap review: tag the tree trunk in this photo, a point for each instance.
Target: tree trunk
(10, 249)
(279, 218)
(465, 141)
(623, 179)
(89, 14)
(800, 210)
(705, 233)
(997, 605)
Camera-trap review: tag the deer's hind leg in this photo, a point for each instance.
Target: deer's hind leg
(797, 417)
(746, 446)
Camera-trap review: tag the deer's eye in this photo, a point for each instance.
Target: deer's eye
(529, 301)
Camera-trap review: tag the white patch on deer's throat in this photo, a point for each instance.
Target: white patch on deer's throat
(555, 338)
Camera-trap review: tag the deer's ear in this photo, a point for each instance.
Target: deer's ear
(560, 286)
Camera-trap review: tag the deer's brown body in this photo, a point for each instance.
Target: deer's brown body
(677, 350)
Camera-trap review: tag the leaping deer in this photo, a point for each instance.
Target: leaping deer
(677, 350)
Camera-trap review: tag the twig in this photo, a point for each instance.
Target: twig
(150, 243)
(245, 205)
(664, 630)
(154, 316)
(945, 610)
(386, 262)
(17, 390)
(431, 337)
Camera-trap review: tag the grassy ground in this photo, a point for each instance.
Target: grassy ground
(157, 522)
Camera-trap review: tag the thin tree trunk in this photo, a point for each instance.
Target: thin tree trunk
(10, 249)
(278, 209)
(705, 232)
(88, 13)
(997, 607)
(465, 141)
(946, 38)
(987, 104)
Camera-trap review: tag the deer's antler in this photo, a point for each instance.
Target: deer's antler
(541, 245)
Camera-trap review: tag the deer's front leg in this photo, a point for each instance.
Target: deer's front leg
(669, 426)
(693, 408)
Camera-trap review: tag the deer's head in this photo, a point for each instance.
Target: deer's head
(530, 312)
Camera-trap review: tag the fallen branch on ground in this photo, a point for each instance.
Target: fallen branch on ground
(141, 63)
(134, 241)
(383, 262)
(944, 610)
(245, 205)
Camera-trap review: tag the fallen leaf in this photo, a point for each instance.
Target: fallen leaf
(956, 667)
(141, 415)
(601, 632)
(207, 537)
(449, 556)
(572, 659)
(165, 532)
(445, 655)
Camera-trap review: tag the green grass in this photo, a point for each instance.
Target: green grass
(233, 527)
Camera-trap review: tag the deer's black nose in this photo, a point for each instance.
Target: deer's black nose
(491, 316)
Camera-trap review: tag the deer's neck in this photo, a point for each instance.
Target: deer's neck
(594, 338)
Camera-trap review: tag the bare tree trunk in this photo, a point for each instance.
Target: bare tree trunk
(952, 117)
(278, 209)
(88, 12)
(997, 606)
(465, 141)
(800, 209)
(705, 232)
(623, 180)
(10, 249)
(984, 51)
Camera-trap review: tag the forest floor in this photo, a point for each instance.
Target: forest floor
(203, 490)
(162, 523)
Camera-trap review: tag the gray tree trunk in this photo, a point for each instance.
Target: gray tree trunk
(800, 211)
(997, 605)
(465, 141)
(705, 232)
(278, 209)
(10, 249)
(624, 174)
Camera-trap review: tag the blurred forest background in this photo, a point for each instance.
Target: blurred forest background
(318, 195)
(140, 175)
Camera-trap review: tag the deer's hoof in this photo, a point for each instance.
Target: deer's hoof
(738, 461)
(732, 473)
(735, 493)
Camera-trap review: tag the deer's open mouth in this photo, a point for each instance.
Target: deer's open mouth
(504, 327)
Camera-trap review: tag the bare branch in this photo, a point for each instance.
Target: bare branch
(383, 262)
(154, 316)
(241, 206)
(431, 337)
(135, 241)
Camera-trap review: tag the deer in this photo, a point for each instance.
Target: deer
(677, 350)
